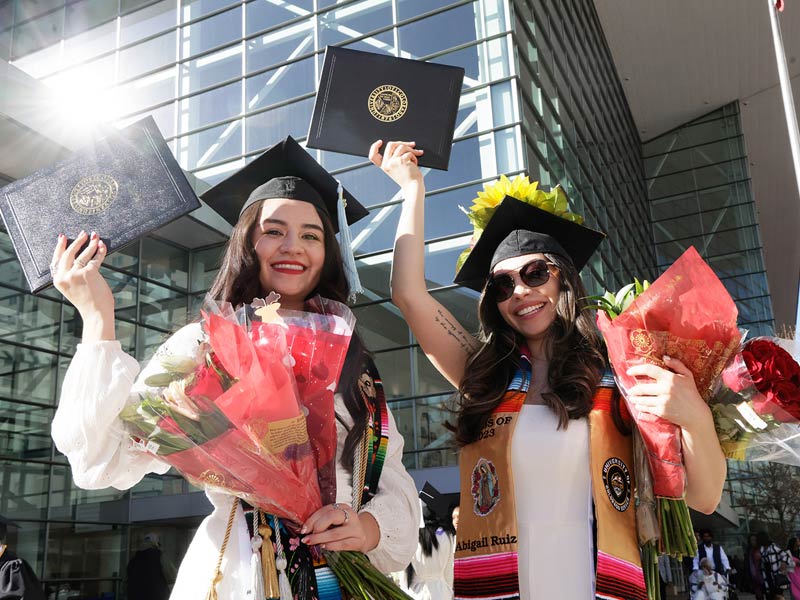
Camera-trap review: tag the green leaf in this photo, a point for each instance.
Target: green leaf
(158, 380)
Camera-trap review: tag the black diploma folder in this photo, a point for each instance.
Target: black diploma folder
(363, 97)
(123, 187)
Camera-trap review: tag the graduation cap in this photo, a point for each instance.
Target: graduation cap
(436, 501)
(517, 228)
(286, 170)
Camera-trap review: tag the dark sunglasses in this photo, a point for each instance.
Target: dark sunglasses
(533, 274)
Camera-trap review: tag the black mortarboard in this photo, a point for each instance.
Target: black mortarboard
(285, 170)
(435, 500)
(517, 228)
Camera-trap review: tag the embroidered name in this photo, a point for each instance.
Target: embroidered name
(617, 481)
(485, 542)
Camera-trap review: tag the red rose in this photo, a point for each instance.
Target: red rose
(206, 384)
(776, 376)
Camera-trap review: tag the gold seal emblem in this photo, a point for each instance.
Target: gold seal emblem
(387, 103)
(94, 194)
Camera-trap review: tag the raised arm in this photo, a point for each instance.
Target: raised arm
(443, 339)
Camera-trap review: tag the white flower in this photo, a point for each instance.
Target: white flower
(175, 396)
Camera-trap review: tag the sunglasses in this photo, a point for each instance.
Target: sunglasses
(533, 274)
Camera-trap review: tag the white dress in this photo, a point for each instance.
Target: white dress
(102, 378)
(433, 575)
(551, 474)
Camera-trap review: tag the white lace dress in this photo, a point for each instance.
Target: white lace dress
(102, 378)
(554, 506)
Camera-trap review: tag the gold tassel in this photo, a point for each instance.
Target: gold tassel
(271, 589)
(212, 593)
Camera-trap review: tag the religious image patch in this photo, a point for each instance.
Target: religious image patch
(617, 480)
(485, 487)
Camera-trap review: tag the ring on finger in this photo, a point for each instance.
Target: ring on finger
(81, 262)
(338, 506)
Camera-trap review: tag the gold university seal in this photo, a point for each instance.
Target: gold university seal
(94, 194)
(387, 103)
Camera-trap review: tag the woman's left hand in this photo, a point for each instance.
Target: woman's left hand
(672, 395)
(338, 527)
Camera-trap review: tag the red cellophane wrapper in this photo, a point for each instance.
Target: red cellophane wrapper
(317, 339)
(236, 420)
(687, 314)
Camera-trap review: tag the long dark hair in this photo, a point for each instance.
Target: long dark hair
(238, 282)
(574, 345)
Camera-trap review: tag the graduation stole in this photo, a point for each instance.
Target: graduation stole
(486, 564)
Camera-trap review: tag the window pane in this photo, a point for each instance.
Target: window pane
(263, 14)
(381, 326)
(147, 21)
(192, 9)
(86, 14)
(147, 56)
(27, 375)
(354, 20)
(439, 32)
(165, 263)
(212, 32)
(85, 550)
(25, 431)
(395, 370)
(283, 83)
(212, 69)
(265, 128)
(279, 46)
(40, 33)
(29, 320)
(210, 145)
(205, 265)
(209, 107)
(148, 91)
(24, 490)
(161, 307)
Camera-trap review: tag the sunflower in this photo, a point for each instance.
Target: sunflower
(555, 201)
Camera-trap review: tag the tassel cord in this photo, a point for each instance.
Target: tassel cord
(212, 593)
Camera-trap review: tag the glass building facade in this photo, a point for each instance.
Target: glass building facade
(698, 183)
(224, 80)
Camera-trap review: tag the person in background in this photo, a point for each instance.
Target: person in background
(753, 558)
(430, 574)
(664, 574)
(708, 584)
(793, 572)
(17, 579)
(149, 576)
(714, 552)
(774, 563)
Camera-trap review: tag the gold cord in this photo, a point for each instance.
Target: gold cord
(212, 593)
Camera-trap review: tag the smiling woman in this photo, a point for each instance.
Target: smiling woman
(535, 402)
(283, 240)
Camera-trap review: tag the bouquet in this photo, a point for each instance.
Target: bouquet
(252, 414)
(756, 405)
(686, 314)
(237, 421)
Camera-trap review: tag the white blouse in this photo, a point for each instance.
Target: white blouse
(102, 378)
(553, 489)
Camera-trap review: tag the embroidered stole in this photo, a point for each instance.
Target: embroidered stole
(486, 561)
